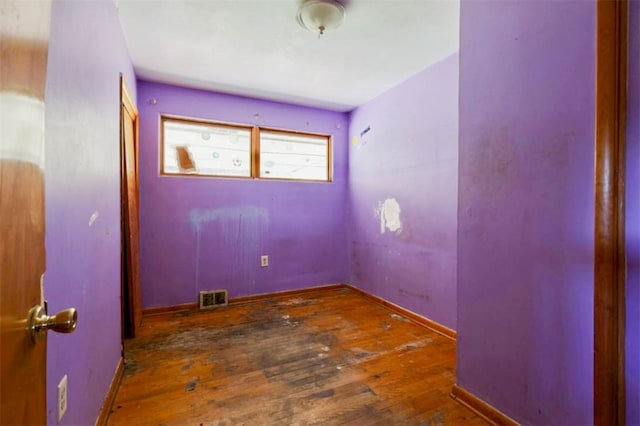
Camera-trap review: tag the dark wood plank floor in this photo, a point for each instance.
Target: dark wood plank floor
(329, 357)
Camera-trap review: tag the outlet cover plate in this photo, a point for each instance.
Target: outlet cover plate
(62, 397)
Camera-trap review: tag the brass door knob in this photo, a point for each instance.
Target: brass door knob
(62, 322)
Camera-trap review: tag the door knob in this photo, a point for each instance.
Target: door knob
(62, 322)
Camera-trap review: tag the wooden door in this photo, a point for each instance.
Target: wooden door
(23, 55)
(131, 300)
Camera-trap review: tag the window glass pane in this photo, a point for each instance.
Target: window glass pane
(294, 156)
(206, 149)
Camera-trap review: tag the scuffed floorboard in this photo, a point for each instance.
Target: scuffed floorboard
(329, 357)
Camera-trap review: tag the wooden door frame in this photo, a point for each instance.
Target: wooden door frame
(609, 241)
(131, 309)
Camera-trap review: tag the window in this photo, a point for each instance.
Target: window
(201, 148)
(286, 155)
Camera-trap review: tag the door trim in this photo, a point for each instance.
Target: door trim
(107, 404)
(609, 253)
(131, 306)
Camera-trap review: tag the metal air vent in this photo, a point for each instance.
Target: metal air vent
(213, 298)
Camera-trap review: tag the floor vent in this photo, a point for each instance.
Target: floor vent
(213, 299)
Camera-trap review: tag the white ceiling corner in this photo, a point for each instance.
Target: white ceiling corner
(256, 47)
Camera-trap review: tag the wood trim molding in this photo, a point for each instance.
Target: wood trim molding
(609, 249)
(477, 405)
(245, 299)
(159, 310)
(111, 394)
(255, 152)
(127, 100)
(416, 318)
(131, 303)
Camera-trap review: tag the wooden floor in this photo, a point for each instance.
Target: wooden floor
(329, 357)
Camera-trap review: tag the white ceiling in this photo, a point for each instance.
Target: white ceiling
(256, 47)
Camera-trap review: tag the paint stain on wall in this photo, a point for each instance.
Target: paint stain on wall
(199, 218)
(388, 211)
(238, 229)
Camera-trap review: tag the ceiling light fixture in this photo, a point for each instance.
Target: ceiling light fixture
(319, 16)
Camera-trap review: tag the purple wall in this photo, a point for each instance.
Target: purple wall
(410, 155)
(86, 54)
(201, 233)
(633, 219)
(525, 238)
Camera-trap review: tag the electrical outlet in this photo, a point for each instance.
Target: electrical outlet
(264, 261)
(62, 397)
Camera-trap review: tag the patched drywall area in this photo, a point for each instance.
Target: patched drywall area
(204, 233)
(388, 211)
(403, 174)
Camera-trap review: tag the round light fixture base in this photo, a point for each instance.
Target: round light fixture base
(319, 16)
